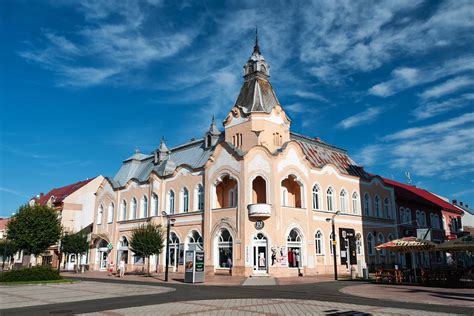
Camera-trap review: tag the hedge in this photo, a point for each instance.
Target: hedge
(37, 273)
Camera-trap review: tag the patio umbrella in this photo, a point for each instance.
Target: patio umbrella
(407, 244)
(465, 243)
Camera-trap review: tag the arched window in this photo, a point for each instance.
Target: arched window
(171, 202)
(144, 207)
(200, 197)
(154, 205)
(284, 197)
(224, 247)
(184, 200)
(226, 192)
(110, 213)
(174, 250)
(408, 218)
(423, 218)
(133, 209)
(370, 244)
(366, 204)
(294, 190)
(343, 201)
(402, 215)
(377, 206)
(355, 203)
(386, 205)
(381, 241)
(294, 246)
(435, 221)
(330, 199)
(315, 197)
(419, 222)
(100, 213)
(259, 190)
(195, 241)
(319, 242)
(123, 210)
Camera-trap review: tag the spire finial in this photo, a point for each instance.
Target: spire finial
(256, 48)
(212, 119)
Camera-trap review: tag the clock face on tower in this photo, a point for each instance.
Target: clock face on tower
(259, 224)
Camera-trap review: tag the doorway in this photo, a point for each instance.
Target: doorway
(103, 259)
(260, 254)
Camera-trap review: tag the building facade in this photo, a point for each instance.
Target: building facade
(255, 196)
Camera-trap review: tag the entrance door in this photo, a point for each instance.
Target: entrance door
(103, 260)
(260, 254)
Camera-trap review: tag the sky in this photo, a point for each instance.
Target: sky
(83, 84)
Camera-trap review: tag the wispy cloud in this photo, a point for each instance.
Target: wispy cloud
(431, 109)
(448, 87)
(443, 149)
(13, 192)
(361, 118)
(404, 78)
(310, 95)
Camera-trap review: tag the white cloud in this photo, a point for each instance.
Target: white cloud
(443, 149)
(361, 118)
(310, 95)
(404, 78)
(448, 87)
(13, 192)
(431, 109)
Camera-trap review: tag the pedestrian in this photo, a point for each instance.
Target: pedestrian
(111, 267)
(229, 264)
(122, 267)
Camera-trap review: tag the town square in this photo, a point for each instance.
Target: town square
(254, 158)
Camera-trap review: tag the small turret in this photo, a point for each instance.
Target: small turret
(162, 153)
(212, 135)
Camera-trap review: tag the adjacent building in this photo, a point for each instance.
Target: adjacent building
(75, 204)
(257, 197)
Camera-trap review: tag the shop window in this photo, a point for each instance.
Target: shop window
(224, 248)
(226, 193)
(195, 241)
(259, 190)
(294, 191)
(294, 243)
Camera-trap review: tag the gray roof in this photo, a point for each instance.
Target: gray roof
(139, 166)
(256, 95)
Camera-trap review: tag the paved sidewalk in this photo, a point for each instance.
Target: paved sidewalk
(264, 307)
(413, 294)
(259, 281)
(13, 296)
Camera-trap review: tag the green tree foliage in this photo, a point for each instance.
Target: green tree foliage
(34, 228)
(74, 244)
(146, 241)
(7, 249)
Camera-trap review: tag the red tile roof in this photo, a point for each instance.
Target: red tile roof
(3, 223)
(61, 193)
(419, 195)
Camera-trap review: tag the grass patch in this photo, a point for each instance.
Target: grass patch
(40, 282)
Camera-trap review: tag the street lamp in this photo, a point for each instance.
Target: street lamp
(170, 222)
(334, 242)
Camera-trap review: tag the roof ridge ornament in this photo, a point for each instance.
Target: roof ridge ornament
(256, 48)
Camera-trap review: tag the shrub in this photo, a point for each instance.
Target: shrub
(37, 273)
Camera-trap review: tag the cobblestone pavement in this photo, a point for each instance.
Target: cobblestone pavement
(266, 307)
(13, 296)
(414, 294)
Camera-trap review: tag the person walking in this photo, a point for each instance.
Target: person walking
(122, 267)
(111, 268)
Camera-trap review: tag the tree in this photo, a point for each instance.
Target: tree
(7, 250)
(74, 244)
(34, 228)
(147, 240)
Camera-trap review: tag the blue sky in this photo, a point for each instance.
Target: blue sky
(85, 83)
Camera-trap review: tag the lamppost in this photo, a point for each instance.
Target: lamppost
(334, 242)
(169, 223)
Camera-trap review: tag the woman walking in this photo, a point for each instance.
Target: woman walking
(122, 267)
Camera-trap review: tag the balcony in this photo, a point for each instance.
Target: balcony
(260, 210)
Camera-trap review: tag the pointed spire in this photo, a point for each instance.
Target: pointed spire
(256, 48)
(213, 130)
(163, 148)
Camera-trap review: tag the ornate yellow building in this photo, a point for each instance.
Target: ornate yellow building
(254, 196)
